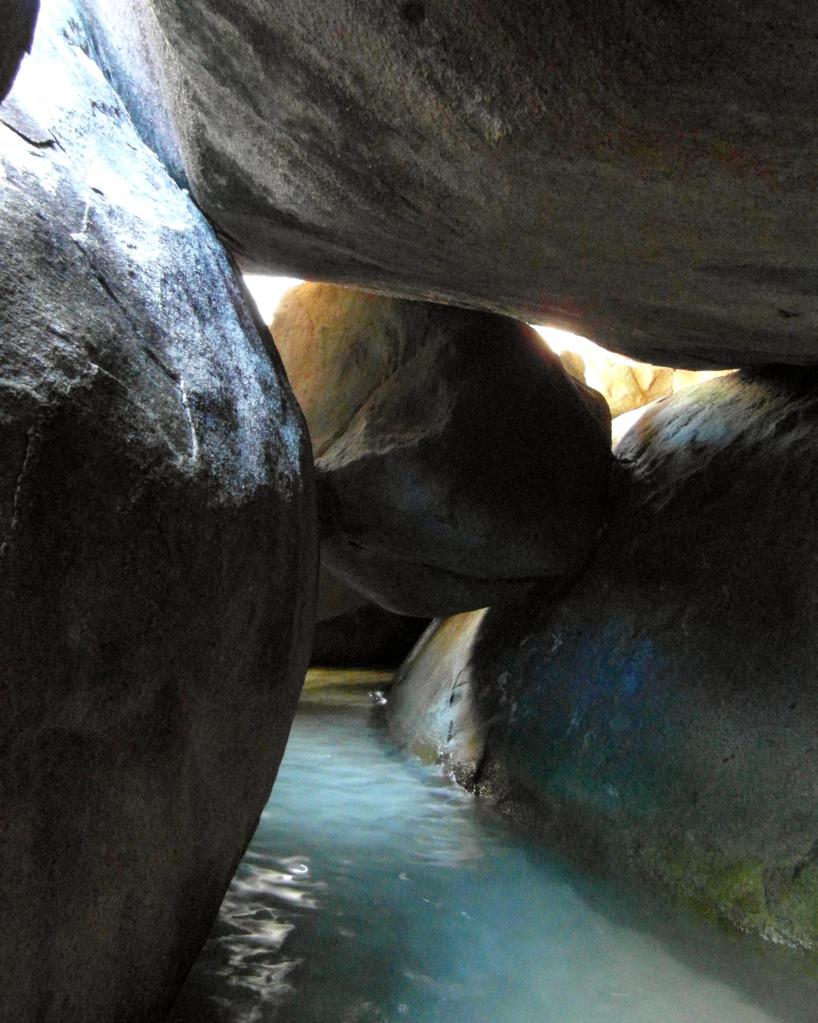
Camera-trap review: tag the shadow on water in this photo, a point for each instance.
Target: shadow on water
(377, 892)
(244, 975)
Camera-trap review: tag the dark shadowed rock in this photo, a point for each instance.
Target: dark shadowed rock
(368, 637)
(157, 551)
(642, 172)
(335, 598)
(352, 632)
(456, 460)
(19, 19)
(662, 719)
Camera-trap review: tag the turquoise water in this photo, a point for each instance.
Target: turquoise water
(375, 891)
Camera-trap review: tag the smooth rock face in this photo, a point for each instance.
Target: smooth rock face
(431, 707)
(642, 173)
(661, 718)
(157, 544)
(19, 19)
(457, 462)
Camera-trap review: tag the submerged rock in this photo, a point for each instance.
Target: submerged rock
(643, 173)
(457, 461)
(157, 545)
(19, 19)
(660, 718)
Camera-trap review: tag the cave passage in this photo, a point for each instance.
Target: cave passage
(377, 891)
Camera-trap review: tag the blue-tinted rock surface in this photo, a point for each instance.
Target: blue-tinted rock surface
(661, 719)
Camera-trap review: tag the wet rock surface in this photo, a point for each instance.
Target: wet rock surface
(641, 173)
(157, 544)
(660, 719)
(431, 708)
(460, 462)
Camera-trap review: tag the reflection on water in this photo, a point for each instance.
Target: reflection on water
(377, 892)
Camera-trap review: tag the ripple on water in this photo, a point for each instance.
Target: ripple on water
(377, 892)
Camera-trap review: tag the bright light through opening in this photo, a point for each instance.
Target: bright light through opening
(268, 292)
(600, 368)
(561, 341)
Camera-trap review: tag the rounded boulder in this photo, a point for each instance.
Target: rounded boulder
(157, 556)
(456, 460)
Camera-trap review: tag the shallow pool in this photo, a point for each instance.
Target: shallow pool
(375, 891)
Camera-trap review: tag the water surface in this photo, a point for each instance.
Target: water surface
(375, 891)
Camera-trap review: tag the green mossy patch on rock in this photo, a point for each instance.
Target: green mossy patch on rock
(780, 902)
(728, 892)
